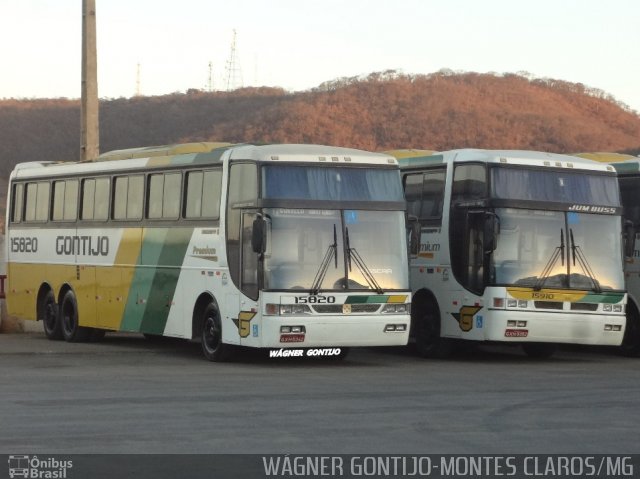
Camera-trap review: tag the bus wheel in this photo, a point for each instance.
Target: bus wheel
(211, 338)
(48, 313)
(539, 350)
(631, 341)
(429, 344)
(71, 330)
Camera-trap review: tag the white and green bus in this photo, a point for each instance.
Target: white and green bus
(513, 246)
(628, 169)
(273, 246)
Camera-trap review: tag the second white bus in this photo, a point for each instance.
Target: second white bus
(513, 246)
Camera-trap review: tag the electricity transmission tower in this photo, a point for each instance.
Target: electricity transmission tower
(210, 83)
(138, 91)
(234, 73)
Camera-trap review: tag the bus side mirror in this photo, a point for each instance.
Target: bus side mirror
(629, 237)
(413, 227)
(491, 232)
(259, 235)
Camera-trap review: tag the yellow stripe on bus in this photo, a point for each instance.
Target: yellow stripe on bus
(397, 298)
(546, 294)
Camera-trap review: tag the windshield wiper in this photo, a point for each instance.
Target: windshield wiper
(576, 252)
(351, 252)
(557, 252)
(332, 253)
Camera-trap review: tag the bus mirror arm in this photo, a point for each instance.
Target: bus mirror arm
(259, 236)
(629, 237)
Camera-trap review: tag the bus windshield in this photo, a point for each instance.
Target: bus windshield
(331, 183)
(300, 239)
(554, 185)
(555, 249)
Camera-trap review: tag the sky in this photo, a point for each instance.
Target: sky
(162, 46)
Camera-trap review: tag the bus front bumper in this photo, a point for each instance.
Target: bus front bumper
(560, 327)
(314, 331)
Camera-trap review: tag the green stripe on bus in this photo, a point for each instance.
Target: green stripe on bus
(154, 282)
(139, 291)
(366, 299)
(602, 298)
(165, 280)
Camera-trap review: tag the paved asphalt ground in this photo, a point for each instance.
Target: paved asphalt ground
(129, 395)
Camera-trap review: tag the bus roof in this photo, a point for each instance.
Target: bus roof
(166, 150)
(513, 157)
(605, 157)
(623, 163)
(203, 154)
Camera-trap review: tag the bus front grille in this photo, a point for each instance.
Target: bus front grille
(584, 306)
(337, 308)
(548, 304)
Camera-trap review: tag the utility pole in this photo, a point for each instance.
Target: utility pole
(89, 136)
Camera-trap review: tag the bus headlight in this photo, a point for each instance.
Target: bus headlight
(398, 328)
(292, 329)
(401, 308)
(294, 309)
(617, 308)
(272, 309)
(516, 303)
(607, 307)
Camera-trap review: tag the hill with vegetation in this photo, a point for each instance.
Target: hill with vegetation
(381, 111)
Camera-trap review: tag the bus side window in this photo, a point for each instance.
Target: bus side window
(202, 194)
(101, 205)
(467, 260)
(243, 189)
(630, 199)
(17, 203)
(37, 201)
(127, 197)
(95, 199)
(211, 188)
(432, 195)
(65, 200)
(469, 183)
(424, 193)
(413, 193)
(193, 202)
(249, 258)
(164, 196)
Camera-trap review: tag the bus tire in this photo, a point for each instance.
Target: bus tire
(72, 332)
(211, 336)
(539, 350)
(631, 341)
(48, 313)
(429, 343)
